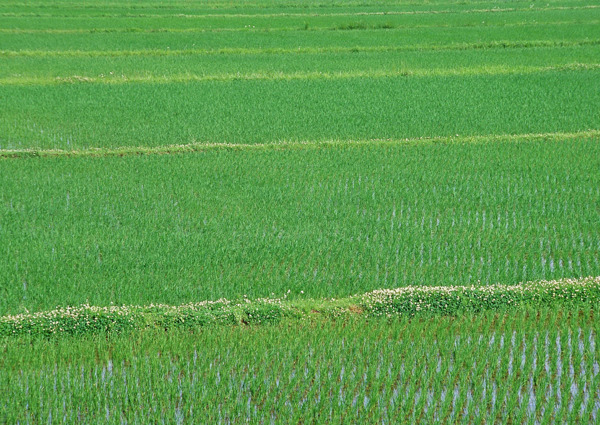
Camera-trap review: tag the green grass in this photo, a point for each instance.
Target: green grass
(247, 111)
(302, 151)
(489, 366)
(329, 221)
(53, 70)
(285, 71)
(220, 7)
(348, 19)
(294, 39)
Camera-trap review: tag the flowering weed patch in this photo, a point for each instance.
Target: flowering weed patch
(409, 301)
(472, 299)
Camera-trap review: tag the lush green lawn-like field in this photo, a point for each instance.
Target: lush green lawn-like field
(302, 151)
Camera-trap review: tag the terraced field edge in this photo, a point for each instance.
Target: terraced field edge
(285, 144)
(300, 75)
(408, 301)
(502, 44)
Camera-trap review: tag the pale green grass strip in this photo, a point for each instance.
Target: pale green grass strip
(408, 301)
(300, 50)
(300, 14)
(302, 75)
(368, 27)
(287, 145)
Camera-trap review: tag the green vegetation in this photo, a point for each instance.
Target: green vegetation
(408, 301)
(517, 367)
(367, 180)
(258, 74)
(30, 69)
(247, 111)
(419, 36)
(331, 221)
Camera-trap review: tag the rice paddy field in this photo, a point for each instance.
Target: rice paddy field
(490, 368)
(299, 211)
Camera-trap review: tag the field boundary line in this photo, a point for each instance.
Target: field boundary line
(299, 15)
(367, 27)
(285, 145)
(506, 44)
(302, 75)
(407, 301)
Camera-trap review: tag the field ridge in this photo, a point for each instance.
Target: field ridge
(358, 27)
(405, 301)
(307, 14)
(302, 50)
(282, 145)
(299, 75)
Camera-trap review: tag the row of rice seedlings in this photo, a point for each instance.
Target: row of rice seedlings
(343, 20)
(20, 70)
(369, 373)
(316, 222)
(267, 111)
(313, 10)
(377, 35)
(220, 7)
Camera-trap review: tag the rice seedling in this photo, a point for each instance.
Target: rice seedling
(315, 221)
(383, 372)
(262, 111)
(368, 179)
